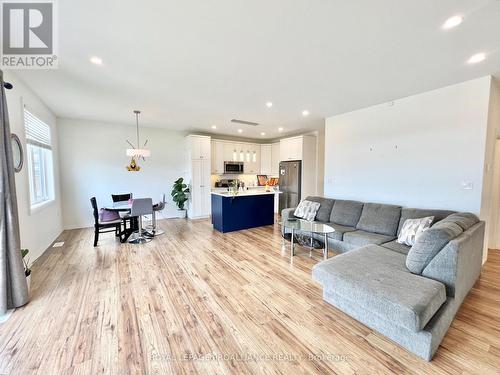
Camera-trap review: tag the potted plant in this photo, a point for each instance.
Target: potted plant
(234, 187)
(179, 195)
(27, 269)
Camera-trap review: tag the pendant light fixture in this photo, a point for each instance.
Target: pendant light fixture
(137, 152)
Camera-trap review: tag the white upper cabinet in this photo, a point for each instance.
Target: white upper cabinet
(198, 147)
(266, 161)
(218, 157)
(252, 158)
(229, 151)
(275, 158)
(240, 152)
(291, 148)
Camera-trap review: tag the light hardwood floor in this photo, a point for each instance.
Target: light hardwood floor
(234, 299)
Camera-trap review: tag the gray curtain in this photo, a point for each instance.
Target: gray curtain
(13, 286)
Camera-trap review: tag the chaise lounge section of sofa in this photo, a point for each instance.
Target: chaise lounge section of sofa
(370, 279)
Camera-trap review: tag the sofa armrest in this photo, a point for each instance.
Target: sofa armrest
(287, 213)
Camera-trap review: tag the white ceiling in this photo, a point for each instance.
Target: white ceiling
(191, 64)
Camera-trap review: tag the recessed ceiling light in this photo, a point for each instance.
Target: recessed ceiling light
(478, 57)
(269, 104)
(262, 133)
(280, 129)
(214, 127)
(305, 113)
(452, 22)
(240, 130)
(96, 60)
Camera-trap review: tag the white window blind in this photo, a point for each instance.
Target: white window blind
(37, 132)
(40, 163)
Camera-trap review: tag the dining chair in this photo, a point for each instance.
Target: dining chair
(121, 197)
(103, 226)
(123, 215)
(141, 206)
(152, 229)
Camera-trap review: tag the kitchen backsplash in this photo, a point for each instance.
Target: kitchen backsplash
(248, 179)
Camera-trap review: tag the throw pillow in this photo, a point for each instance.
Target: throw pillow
(413, 228)
(307, 210)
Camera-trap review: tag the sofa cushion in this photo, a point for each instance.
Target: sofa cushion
(430, 243)
(362, 238)
(325, 209)
(464, 220)
(380, 218)
(397, 247)
(376, 279)
(340, 230)
(346, 212)
(417, 213)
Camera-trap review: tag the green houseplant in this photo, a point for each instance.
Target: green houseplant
(179, 196)
(26, 262)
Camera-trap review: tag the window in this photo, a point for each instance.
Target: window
(39, 155)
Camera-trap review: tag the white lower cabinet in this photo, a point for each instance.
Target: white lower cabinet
(200, 198)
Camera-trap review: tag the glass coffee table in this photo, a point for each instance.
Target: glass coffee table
(311, 227)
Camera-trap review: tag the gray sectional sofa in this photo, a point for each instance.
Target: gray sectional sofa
(370, 279)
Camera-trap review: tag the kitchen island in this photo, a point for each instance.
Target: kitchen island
(247, 209)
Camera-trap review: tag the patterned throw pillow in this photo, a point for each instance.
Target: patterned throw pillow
(307, 210)
(412, 228)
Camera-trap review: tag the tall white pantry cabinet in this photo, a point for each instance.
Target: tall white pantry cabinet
(198, 179)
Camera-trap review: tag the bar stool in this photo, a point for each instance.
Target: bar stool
(152, 230)
(141, 206)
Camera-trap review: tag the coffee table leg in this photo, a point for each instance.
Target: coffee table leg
(311, 246)
(292, 250)
(325, 251)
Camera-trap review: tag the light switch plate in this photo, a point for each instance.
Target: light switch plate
(467, 185)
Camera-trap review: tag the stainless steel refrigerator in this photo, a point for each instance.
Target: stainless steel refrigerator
(289, 183)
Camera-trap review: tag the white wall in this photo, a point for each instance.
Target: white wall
(416, 152)
(320, 162)
(93, 163)
(40, 228)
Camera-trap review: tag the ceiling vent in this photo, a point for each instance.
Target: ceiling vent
(236, 121)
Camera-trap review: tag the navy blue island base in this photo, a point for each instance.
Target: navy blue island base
(242, 211)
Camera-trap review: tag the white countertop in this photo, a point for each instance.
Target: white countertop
(245, 193)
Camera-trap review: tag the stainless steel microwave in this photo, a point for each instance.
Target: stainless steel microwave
(233, 167)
